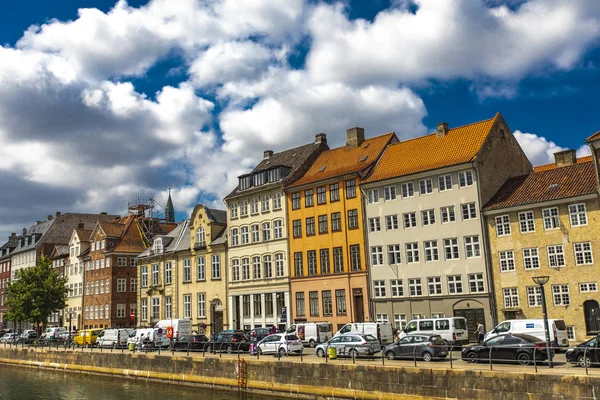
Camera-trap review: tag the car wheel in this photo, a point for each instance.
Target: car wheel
(229, 349)
(312, 343)
(583, 361)
(320, 353)
(282, 352)
(427, 356)
(523, 358)
(472, 357)
(390, 355)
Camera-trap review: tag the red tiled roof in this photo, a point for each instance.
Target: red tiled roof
(547, 167)
(595, 136)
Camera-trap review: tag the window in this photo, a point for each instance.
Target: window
(583, 253)
(323, 226)
(244, 208)
(154, 274)
(311, 256)
(298, 264)
(121, 285)
(310, 226)
(431, 250)
(340, 301)
(327, 304)
(447, 214)
(391, 222)
(355, 257)
(257, 305)
(313, 300)
(414, 286)
(410, 220)
(451, 249)
(279, 266)
(268, 267)
(394, 254)
(295, 201)
(187, 305)
(382, 318)
(265, 203)
(200, 236)
(352, 219)
(445, 183)
(266, 231)
(465, 178)
(300, 304)
(297, 228)
(325, 268)
(502, 225)
(577, 214)
(412, 252)
(269, 304)
(560, 294)
(435, 285)
(121, 262)
(408, 190)
(235, 270)
(469, 211)
(235, 238)
(216, 266)
(373, 196)
(255, 233)
(397, 288)
(389, 193)
(531, 259)
(472, 247)
(511, 297)
(336, 222)
(376, 255)
(245, 237)
(276, 201)
(526, 222)
(454, 284)
(350, 189)
(309, 198)
(428, 217)
(200, 269)
(425, 186)
(144, 309)
(556, 256)
(256, 267)
(168, 307)
(144, 276)
(254, 206)
(571, 333)
(338, 260)
(187, 273)
(321, 195)
(551, 220)
(379, 288)
(400, 321)
(246, 305)
(121, 310)
(374, 224)
(233, 211)
(260, 178)
(133, 285)
(155, 308)
(534, 296)
(588, 287)
(334, 192)
(507, 260)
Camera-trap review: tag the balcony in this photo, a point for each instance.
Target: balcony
(199, 246)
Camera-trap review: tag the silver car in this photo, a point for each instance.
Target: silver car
(350, 345)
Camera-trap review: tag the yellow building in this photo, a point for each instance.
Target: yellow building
(328, 272)
(546, 224)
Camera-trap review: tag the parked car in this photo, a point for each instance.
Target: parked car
(149, 337)
(381, 330)
(229, 342)
(350, 344)
(53, 334)
(424, 347)
(258, 334)
(114, 337)
(281, 343)
(534, 327)
(181, 327)
(453, 330)
(27, 337)
(8, 338)
(195, 343)
(507, 347)
(582, 357)
(312, 333)
(87, 337)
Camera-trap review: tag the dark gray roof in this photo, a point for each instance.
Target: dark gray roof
(9, 246)
(218, 216)
(176, 240)
(220, 239)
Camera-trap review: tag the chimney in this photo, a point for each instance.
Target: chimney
(320, 138)
(103, 213)
(564, 158)
(57, 214)
(442, 129)
(12, 235)
(25, 231)
(49, 217)
(36, 222)
(356, 136)
(268, 154)
(80, 225)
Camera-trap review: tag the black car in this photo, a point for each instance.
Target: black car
(580, 356)
(229, 342)
(508, 348)
(191, 342)
(27, 337)
(426, 347)
(258, 334)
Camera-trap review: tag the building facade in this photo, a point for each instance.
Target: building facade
(425, 231)
(329, 270)
(546, 224)
(59, 258)
(258, 281)
(5, 255)
(78, 244)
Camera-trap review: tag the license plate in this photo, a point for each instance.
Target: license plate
(442, 353)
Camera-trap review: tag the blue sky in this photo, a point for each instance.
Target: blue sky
(101, 100)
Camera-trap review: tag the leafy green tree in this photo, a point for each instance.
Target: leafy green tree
(36, 293)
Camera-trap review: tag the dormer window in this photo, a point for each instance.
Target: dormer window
(157, 245)
(246, 182)
(260, 178)
(200, 236)
(275, 175)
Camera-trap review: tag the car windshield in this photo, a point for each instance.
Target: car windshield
(291, 337)
(324, 328)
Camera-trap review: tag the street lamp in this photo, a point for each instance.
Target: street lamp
(541, 281)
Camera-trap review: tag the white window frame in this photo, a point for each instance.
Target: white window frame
(534, 296)
(374, 224)
(472, 246)
(414, 287)
(452, 245)
(434, 285)
(582, 251)
(389, 193)
(412, 220)
(507, 260)
(412, 252)
(428, 217)
(588, 287)
(447, 214)
(431, 250)
(425, 186)
(376, 255)
(551, 218)
(502, 225)
(379, 288)
(445, 183)
(526, 221)
(511, 297)
(464, 177)
(561, 295)
(531, 258)
(578, 214)
(394, 254)
(554, 255)
(408, 190)
(454, 284)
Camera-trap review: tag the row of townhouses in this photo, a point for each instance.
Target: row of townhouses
(455, 223)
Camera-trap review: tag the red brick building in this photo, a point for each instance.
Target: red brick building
(5, 253)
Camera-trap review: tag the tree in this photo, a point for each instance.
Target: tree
(36, 293)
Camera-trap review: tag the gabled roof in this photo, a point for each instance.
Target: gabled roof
(177, 239)
(83, 234)
(547, 167)
(60, 250)
(595, 136)
(111, 229)
(343, 161)
(553, 184)
(458, 146)
(217, 216)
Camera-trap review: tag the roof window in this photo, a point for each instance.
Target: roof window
(366, 145)
(363, 158)
(323, 168)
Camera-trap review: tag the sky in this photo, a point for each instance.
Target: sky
(105, 102)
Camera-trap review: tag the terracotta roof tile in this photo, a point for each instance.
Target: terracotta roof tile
(553, 184)
(595, 136)
(458, 146)
(112, 229)
(547, 167)
(341, 161)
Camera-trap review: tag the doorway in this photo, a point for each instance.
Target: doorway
(472, 315)
(592, 317)
(359, 306)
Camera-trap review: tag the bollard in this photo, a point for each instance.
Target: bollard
(382, 357)
(585, 360)
(490, 356)
(415, 355)
(353, 352)
(451, 349)
(301, 353)
(534, 360)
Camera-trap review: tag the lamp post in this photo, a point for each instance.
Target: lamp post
(541, 281)
(70, 318)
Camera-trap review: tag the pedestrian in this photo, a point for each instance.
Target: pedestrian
(479, 332)
(140, 340)
(273, 329)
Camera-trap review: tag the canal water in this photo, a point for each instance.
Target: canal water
(20, 383)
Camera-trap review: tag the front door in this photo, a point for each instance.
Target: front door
(218, 321)
(592, 317)
(472, 315)
(359, 307)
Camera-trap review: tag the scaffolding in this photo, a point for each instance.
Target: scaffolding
(149, 221)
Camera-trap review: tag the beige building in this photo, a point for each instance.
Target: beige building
(546, 224)
(425, 231)
(74, 272)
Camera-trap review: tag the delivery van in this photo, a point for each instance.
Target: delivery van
(181, 327)
(381, 330)
(87, 337)
(534, 327)
(53, 333)
(114, 337)
(154, 336)
(312, 332)
(452, 329)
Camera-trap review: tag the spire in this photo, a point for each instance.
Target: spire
(170, 210)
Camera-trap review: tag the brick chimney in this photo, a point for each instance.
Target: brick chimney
(103, 213)
(268, 154)
(355, 137)
(320, 138)
(49, 217)
(24, 231)
(442, 129)
(57, 214)
(564, 158)
(80, 225)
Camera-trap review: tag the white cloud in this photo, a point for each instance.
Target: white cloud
(541, 151)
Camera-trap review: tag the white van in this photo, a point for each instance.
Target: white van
(452, 329)
(114, 337)
(154, 335)
(534, 327)
(53, 333)
(381, 330)
(181, 327)
(312, 332)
